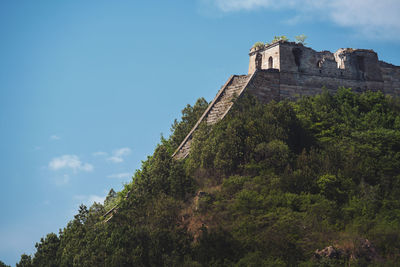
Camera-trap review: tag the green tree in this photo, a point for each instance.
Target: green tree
(25, 261)
(190, 116)
(111, 199)
(46, 251)
(2, 264)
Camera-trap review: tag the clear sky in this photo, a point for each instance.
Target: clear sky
(87, 87)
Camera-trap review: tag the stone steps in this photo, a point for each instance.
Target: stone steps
(218, 108)
(225, 101)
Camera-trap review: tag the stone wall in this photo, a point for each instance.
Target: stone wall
(217, 109)
(289, 70)
(270, 52)
(304, 71)
(391, 79)
(265, 85)
(356, 64)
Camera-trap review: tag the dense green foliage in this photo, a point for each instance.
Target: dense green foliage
(279, 180)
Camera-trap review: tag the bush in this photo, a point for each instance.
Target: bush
(259, 45)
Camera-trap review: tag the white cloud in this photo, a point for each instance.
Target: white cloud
(380, 19)
(69, 162)
(374, 19)
(100, 154)
(119, 154)
(236, 5)
(122, 151)
(55, 137)
(115, 159)
(120, 175)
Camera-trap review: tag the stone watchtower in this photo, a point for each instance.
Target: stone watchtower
(290, 70)
(304, 71)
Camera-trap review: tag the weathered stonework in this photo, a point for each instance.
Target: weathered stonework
(217, 110)
(290, 70)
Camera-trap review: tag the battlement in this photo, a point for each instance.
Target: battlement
(348, 63)
(291, 70)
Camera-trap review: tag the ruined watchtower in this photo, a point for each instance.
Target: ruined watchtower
(304, 71)
(291, 70)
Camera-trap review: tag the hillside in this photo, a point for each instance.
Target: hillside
(266, 186)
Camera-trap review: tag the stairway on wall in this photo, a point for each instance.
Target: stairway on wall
(217, 109)
(223, 105)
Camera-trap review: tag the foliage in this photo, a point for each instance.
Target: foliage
(111, 199)
(25, 261)
(301, 39)
(46, 251)
(2, 264)
(279, 38)
(279, 180)
(190, 115)
(258, 45)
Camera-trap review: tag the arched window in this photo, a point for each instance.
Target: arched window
(270, 63)
(258, 61)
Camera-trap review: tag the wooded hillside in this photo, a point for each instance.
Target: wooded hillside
(266, 186)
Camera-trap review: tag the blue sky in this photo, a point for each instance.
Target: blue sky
(87, 87)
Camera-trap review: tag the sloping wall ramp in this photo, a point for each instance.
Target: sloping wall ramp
(217, 109)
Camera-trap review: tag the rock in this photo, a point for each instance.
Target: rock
(360, 249)
(329, 252)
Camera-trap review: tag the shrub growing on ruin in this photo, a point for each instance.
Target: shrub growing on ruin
(258, 45)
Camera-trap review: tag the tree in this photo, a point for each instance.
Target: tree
(110, 200)
(2, 264)
(82, 215)
(46, 251)
(26, 261)
(190, 115)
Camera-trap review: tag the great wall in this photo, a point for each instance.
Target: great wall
(291, 70)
